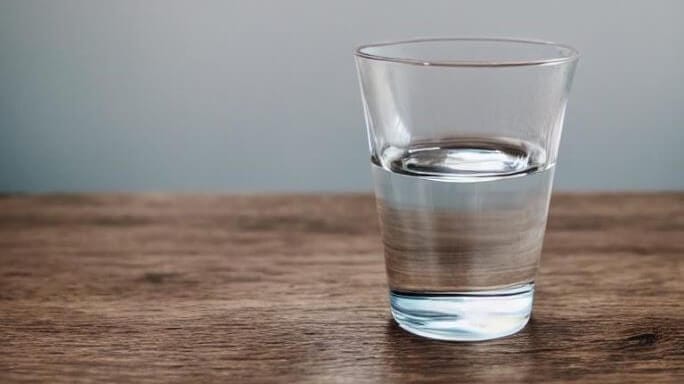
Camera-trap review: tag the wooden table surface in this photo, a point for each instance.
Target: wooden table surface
(164, 288)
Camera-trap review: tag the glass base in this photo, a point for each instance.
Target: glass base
(467, 316)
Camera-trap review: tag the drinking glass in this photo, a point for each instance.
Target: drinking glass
(463, 136)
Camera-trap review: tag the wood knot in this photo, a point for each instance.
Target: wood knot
(641, 340)
(158, 277)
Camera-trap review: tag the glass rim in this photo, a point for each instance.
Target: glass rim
(573, 54)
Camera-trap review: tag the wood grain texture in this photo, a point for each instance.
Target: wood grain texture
(160, 288)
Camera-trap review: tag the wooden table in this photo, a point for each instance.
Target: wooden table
(163, 288)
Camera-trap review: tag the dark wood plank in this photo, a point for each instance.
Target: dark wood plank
(159, 288)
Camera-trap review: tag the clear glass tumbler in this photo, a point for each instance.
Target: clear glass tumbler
(463, 136)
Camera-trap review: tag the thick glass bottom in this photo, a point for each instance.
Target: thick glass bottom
(467, 316)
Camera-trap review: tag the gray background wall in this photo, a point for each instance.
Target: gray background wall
(262, 96)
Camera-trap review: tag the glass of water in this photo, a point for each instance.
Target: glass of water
(463, 136)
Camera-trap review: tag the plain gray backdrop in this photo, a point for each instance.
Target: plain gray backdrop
(249, 95)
